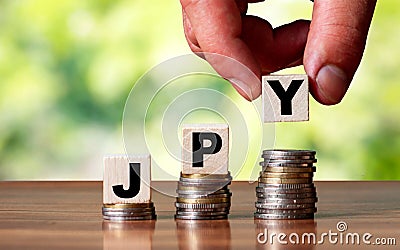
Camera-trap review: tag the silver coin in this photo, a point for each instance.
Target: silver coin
(197, 187)
(210, 196)
(206, 176)
(127, 218)
(287, 157)
(118, 214)
(149, 209)
(286, 196)
(209, 186)
(286, 201)
(274, 190)
(202, 205)
(203, 193)
(269, 169)
(202, 213)
(286, 186)
(285, 175)
(284, 206)
(185, 217)
(225, 209)
(286, 211)
(203, 180)
(283, 217)
(202, 185)
(308, 161)
(286, 164)
(288, 152)
(128, 205)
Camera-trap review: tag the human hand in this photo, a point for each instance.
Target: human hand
(330, 46)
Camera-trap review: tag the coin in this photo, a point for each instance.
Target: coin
(288, 157)
(223, 209)
(284, 206)
(286, 211)
(199, 189)
(289, 169)
(196, 217)
(285, 180)
(203, 196)
(286, 201)
(289, 152)
(206, 176)
(148, 217)
(286, 175)
(283, 216)
(283, 191)
(285, 196)
(202, 200)
(206, 180)
(202, 205)
(286, 185)
(149, 209)
(201, 213)
(131, 211)
(129, 205)
(296, 161)
(286, 164)
(124, 213)
(201, 192)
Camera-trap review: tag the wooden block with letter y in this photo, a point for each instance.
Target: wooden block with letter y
(126, 179)
(205, 148)
(285, 98)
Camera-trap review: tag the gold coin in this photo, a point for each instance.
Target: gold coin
(205, 176)
(286, 175)
(129, 205)
(204, 189)
(203, 200)
(285, 180)
(289, 169)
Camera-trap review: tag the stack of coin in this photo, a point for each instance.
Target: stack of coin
(203, 196)
(285, 187)
(129, 211)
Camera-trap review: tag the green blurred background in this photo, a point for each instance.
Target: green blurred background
(67, 66)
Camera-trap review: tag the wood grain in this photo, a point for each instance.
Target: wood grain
(67, 215)
(215, 163)
(273, 110)
(116, 172)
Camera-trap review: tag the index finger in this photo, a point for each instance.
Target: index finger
(217, 27)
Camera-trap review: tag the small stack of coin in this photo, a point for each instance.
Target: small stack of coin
(129, 211)
(203, 196)
(285, 187)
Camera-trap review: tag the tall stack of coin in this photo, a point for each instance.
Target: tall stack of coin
(285, 187)
(129, 211)
(203, 196)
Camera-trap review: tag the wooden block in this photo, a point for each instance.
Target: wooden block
(205, 148)
(288, 96)
(121, 182)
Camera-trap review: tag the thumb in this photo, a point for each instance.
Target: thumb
(335, 46)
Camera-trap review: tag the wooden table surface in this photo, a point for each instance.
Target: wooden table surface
(67, 215)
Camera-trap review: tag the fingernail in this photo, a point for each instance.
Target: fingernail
(332, 84)
(249, 92)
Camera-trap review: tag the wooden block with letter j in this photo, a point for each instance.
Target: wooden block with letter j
(126, 179)
(285, 98)
(205, 148)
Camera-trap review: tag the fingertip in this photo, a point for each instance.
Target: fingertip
(250, 91)
(330, 85)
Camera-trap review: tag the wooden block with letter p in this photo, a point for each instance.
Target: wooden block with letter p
(285, 98)
(126, 179)
(205, 148)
